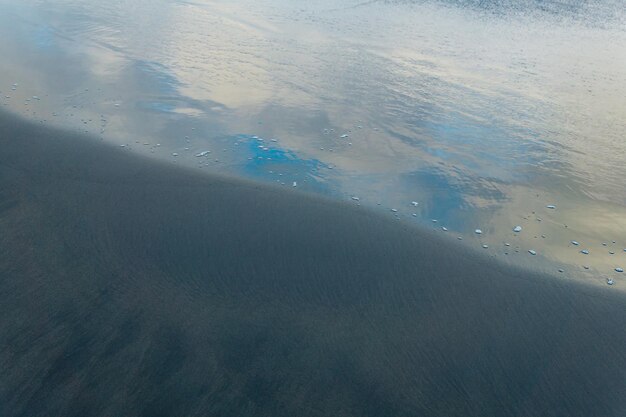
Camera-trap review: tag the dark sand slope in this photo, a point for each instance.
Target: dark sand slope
(131, 288)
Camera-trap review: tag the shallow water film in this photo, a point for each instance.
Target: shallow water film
(503, 116)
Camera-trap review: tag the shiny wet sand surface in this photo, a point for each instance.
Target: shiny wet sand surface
(482, 111)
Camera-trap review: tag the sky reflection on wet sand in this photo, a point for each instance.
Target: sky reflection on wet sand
(483, 116)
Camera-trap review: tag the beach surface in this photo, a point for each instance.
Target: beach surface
(133, 287)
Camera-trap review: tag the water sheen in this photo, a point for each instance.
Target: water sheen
(482, 112)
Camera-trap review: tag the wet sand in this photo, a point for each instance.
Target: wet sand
(131, 287)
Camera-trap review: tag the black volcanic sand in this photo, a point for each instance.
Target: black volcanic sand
(130, 287)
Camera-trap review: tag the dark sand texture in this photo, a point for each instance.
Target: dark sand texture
(133, 288)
